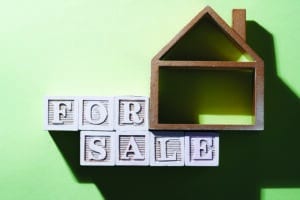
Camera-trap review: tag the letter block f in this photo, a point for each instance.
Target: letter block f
(61, 113)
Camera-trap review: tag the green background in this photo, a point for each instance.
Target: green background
(93, 47)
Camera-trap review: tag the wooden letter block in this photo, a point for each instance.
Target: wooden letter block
(97, 148)
(96, 113)
(131, 113)
(167, 148)
(61, 113)
(132, 148)
(201, 149)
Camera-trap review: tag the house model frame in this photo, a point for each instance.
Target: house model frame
(208, 78)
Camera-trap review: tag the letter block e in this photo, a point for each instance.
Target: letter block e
(201, 149)
(61, 113)
(131, 113)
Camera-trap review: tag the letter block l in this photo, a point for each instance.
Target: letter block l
(166, 148)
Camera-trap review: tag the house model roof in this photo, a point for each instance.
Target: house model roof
(209, 19)
(207, 43)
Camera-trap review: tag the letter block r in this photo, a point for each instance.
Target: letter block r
(131, 113)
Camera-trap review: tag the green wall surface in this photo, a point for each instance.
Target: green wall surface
(94, 47)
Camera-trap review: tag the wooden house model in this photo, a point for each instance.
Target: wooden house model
(208, 78)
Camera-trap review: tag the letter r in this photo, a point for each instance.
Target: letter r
(131, 110)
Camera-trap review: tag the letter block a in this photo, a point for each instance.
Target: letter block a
(97, 148)
(61, 113)
(96, 113)
(132, 148)
(131, 113)
(166, 148)
(201, 149)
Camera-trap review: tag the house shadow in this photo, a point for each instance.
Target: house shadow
(249, 161)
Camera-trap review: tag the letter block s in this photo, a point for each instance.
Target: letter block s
(131, 113)
(61, 113)
(97, 148)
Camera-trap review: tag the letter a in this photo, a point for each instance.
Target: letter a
(132, 148)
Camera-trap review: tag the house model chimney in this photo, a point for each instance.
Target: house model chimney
(239, 22)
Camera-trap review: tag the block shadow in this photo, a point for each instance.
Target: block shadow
(249, 161)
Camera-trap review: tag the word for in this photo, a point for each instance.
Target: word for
(100, 148)
(115, 131)
(96, 113)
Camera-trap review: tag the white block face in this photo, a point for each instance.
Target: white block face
(132, 148)
(96, 113)
(201, 149)
(166, 148)
(61, 113)
(131, 113)
(97, 148)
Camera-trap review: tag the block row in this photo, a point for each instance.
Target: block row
(130, 148)
(96, 113)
